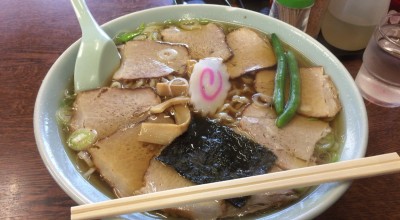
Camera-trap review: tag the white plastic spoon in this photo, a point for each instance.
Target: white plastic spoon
(98, 56)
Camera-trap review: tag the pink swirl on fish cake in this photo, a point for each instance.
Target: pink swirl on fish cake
(209, 71)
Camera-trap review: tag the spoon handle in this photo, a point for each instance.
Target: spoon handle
(87, 23)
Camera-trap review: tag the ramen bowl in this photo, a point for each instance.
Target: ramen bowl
(50, 141)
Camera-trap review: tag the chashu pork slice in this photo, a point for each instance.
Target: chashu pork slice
(250, 52)
(108, 109)
(294, 144)
(207, 41)
(263, 201)
(265, 82)
(160, 177)
(285, 159)
(151, 59)
(319, 97)
(122, 160)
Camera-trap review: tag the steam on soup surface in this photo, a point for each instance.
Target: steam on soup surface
(192, 103)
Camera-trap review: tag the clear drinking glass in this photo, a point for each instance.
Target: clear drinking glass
(379, 77)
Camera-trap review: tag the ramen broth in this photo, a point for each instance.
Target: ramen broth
(337, 124)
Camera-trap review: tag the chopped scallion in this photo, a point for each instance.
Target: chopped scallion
(82, 139)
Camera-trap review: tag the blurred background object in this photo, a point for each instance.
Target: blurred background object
(294, 12)
(395, 5)
(369, 12)
(349, 24)
(378, 79)
(254, 5)
(315, 19)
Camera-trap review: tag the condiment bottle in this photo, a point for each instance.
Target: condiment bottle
(294, 12)
(349, 24)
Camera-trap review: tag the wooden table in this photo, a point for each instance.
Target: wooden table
(33, 35)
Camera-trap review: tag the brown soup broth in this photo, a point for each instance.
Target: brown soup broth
(337, 123)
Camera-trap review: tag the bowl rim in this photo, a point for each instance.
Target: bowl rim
(43, 120)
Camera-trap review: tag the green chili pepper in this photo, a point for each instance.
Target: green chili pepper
(280, 76)
(124, 37)
(294, 95)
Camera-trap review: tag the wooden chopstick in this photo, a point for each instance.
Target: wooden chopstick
(308, 176)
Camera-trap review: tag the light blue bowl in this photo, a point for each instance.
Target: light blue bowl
(54, 156)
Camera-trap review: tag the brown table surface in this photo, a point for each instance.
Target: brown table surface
(33, 33)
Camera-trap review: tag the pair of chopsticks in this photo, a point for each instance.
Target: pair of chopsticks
(308, 176)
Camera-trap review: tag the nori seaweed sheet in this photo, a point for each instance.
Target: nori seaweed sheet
(208, 152)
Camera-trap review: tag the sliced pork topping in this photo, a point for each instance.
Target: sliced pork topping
(285, 159)
(207, 41)
(122, 160)
(208, 152)
(160, 177)
(319, 97)
(151, 59)
(250, 52)
(298, 138)
(108, 109)
(264, 82)
(256, 112)
(262, 201)
(288, 161)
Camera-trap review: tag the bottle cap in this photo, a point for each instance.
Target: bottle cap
(296, 3)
